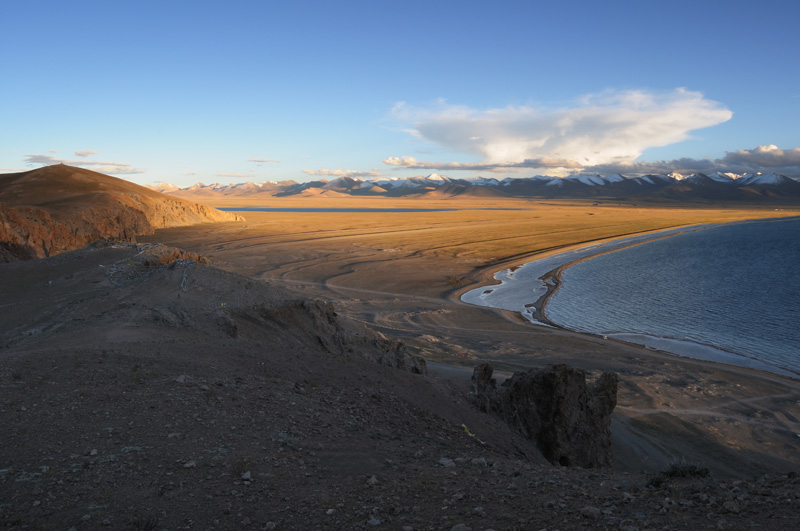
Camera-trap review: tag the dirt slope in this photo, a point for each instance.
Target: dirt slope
(59, 208)
(142, 396)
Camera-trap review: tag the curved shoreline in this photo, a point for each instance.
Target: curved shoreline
(535, 313)
(552, 279)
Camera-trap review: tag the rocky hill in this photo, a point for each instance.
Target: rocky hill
(59, 208)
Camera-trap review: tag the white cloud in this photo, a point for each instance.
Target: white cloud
(233, 175)
(542, 162)
(770, 156)
(85, 153)
(262, 160)
(682, 165)
(114, 168)
(325, 172)
(614, 126)
(765, 159)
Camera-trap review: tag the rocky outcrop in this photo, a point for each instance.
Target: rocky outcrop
(32, 232)
(351, 338)
(59, 208)
(568, 419)
(338, 335)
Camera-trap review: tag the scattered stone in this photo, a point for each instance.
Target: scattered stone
(732, 506)
(592, 513)
(330, 511)
(374, 521)
(372, 481)
(460, 527)
(479, 461)
(246, 476)
(182, 379)
(447, 463)
(189, 464)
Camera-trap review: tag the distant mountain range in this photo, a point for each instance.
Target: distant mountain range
(670, 187)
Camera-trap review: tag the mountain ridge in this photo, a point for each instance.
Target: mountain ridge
(672, 186)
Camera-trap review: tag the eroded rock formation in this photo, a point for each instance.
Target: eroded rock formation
(567, 417)
(340, 336)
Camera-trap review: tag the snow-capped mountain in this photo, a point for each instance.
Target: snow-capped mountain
(763, 178)
(671, 186)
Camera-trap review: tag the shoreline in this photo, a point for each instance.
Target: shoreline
(397, 282)
(535, 313)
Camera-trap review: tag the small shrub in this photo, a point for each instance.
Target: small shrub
(679, 469)
(685, 470)
(456, 281)
(240, 466)
(145, 522)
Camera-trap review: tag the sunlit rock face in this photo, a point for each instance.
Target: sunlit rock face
(60, 208)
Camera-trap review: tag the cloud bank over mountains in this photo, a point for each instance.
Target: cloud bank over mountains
(764, 159)
(609, 128)
(339, 172)
(603, 133)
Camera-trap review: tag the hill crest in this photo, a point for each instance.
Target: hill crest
(59, 208)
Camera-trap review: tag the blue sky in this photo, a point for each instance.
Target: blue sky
(251, 91)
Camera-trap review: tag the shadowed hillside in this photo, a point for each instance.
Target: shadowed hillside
(59, 208)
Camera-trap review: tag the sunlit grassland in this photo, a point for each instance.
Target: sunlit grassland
(470, 232)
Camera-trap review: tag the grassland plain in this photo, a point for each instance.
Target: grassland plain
(402, 273)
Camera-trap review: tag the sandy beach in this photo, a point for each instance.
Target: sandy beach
(403, 274)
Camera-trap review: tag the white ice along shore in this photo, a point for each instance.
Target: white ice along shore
(523, 286)
(520, 288)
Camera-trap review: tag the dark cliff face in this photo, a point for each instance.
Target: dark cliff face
(60, 208)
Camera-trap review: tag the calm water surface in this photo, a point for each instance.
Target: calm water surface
(736, 287)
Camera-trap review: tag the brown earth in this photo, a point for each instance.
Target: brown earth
(60, 208)
(401, 273)
(186, 396)
(182, 396)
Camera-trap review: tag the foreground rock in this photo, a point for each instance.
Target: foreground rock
(60, 208)
(567, 418)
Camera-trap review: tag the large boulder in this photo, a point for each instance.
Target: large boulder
(568, 418)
